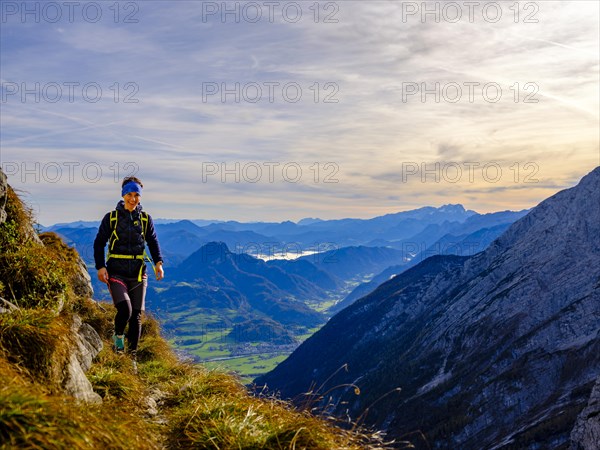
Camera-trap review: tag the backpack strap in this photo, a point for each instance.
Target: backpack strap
(146, 257)
(144, 218)
(114, 237)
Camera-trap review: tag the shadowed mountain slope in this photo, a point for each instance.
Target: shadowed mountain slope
(497, 350)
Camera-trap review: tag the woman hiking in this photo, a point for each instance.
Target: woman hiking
(127, 229)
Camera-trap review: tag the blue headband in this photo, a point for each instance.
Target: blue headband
(132, 186)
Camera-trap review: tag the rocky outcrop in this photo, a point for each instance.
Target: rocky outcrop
(153, 403)
(496, 350)
(81, 280)
(586, 433)
(86, 345)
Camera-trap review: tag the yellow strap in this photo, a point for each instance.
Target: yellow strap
(143, 257)
(144, 217)
(111, 255)
(114, 217)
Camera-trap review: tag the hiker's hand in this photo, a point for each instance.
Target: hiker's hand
(160, 272)
(103, 275)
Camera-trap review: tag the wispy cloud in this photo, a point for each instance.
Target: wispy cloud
(369, 93)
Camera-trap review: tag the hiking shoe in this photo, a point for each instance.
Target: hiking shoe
(119, 343)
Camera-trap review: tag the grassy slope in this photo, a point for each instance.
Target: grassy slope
(169, 404)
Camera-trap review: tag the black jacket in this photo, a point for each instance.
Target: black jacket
(130, 242)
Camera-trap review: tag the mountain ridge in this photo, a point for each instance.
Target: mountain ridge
(515, 326)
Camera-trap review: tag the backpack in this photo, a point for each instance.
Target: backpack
(114, 237)
(114, 217)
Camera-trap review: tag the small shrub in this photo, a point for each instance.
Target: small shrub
(32, 275)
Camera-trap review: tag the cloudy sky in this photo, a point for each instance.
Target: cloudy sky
(284, 110)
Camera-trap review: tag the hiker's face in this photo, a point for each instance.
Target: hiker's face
(131, 200)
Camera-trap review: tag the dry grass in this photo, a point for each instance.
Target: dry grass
(212, 410)
(201, 408)
(32, 419)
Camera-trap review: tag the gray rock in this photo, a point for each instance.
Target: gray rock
(6, 306)
(586, 433)
(153, 401)
(81, 281)
(151, 406)
(86, 345)
(89, 343)
(76, 383)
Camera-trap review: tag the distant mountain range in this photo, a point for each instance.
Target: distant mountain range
(348, 251)
(413, 232)
(496, 350)
(216, 281)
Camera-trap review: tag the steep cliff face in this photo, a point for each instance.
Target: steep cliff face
(19, 245)
(499, 350)
(586, 433)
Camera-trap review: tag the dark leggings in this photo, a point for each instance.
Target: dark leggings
(134, 317)
(129, 298)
